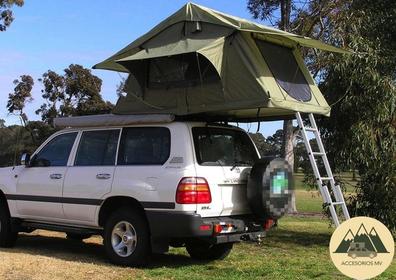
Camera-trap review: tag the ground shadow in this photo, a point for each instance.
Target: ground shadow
(299, 237)
(85, 252)
(93, 252)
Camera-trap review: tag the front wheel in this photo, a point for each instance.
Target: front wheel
(201, 250)
(7, 235)
(126, 238)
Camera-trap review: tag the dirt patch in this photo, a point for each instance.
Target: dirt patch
(49, 255)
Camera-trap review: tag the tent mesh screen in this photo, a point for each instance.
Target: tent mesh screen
(184, 70)
(285, 69)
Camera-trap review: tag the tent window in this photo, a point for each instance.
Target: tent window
(285, 69)
(184, 70)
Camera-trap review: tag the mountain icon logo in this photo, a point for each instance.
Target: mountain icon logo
(362, 248)
(361, 244)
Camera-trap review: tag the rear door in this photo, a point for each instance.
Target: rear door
(91, 175)
(224, 157)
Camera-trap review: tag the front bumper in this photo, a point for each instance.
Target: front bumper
(187, 225)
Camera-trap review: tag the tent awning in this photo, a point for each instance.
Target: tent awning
(195, 13)
(200, 62)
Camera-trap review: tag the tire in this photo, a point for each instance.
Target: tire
(200, 250)
(266, 201)
(77, 236)
(8, 237)
(128, 229)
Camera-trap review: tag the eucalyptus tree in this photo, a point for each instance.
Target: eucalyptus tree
(6, 15)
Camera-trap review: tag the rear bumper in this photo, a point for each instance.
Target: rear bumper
(185, 225)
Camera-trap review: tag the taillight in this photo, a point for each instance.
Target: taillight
(193, 190)
(268, 224)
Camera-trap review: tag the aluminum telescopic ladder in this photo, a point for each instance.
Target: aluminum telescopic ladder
(322, 181)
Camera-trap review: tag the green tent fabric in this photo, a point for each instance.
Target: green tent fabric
(200, 62)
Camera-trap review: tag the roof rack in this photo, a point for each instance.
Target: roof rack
(112, 120)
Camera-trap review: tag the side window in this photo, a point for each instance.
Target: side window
(97, 148)
(144, 146)
(56, 152)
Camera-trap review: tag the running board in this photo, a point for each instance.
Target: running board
(29, 226)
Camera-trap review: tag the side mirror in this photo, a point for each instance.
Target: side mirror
(25, 159)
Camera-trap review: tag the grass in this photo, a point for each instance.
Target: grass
(296, 249)
(309, 200)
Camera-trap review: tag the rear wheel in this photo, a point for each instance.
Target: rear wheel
(126, 238)
(7, 236)
(201, 250)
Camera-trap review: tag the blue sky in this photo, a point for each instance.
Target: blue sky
(48, 34)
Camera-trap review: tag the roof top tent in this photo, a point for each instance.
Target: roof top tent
(202, 63)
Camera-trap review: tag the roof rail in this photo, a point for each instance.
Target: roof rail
(112, 120)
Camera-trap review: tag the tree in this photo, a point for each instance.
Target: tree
(262, 144)
(361, 90)
(121, 87)
(361, 131)
(22, 94)
(2, 123)
(276, 142)
(6, 16)
(75, 93)
(54, 93)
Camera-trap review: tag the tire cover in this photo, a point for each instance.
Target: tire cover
(270, 187)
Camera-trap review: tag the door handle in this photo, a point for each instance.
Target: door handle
(56, 176)
(103, 176)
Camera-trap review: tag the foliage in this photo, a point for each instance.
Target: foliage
(16, 139)
(6, 15)
(265, 148)
(361, 90)
(121, 87)
(22, 94)
(362, 129)
(266, 10)
(276, 142)
(273, 145)
(75, 93)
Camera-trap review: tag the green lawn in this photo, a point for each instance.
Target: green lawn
(309, 200)
(297, 249)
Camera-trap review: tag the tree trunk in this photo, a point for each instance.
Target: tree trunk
(288, 134)
(288, 153)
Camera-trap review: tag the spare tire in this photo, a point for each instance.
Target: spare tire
(270, 187)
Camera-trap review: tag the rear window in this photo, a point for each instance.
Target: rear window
(219, 146)
(144, 146)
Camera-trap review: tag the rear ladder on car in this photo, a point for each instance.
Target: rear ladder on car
(323, 181)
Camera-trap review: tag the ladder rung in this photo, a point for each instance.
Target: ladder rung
(310, 129)
(318, 154)
(326, 178)
(322, 182)
(338, 203)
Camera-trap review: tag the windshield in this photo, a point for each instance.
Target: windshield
(223, 147)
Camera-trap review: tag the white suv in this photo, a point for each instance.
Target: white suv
(145, 187)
